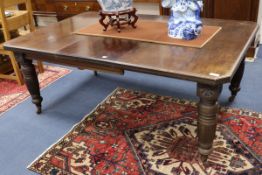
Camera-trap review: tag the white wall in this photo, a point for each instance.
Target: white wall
(147, 8)
(260, 21)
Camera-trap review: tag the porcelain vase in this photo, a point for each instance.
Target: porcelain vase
(184, 21)
(115, 5)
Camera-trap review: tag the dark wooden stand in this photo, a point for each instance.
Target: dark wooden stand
(118, 18)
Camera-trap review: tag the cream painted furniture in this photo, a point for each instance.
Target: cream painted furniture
(19, 19)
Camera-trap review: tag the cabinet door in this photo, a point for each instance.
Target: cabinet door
(231, 9)
(228, 9)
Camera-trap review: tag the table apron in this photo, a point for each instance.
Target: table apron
(98, 65)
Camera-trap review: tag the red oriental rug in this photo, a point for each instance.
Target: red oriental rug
(12, 94)
(137, 133)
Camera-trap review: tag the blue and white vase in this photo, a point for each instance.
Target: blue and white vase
(184, 22)
(115, 5)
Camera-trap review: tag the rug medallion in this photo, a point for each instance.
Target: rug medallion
(137, 133)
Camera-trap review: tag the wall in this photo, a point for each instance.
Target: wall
(260, 21)
(147, 8)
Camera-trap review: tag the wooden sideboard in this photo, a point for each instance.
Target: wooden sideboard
(227, 9)
(232, 9)
(67, 8)
(63, 8)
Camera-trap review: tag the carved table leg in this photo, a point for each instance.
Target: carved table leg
(235, 82)
(207, 117)
(31, 80)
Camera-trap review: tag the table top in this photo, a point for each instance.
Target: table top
(215, 63)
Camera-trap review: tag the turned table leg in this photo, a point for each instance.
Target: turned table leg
(207, 117)
(31, 80)
(235, 82)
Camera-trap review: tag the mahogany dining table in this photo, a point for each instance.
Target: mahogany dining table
(220, 61)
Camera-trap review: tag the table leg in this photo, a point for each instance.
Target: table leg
(235, 82)
(207, 117)
(31, 80)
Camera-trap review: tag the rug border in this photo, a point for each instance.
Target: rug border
(26, 98)
(73, 127)
(176, 99)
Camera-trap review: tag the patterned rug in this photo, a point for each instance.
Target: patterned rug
(137, 133)
(12, 94)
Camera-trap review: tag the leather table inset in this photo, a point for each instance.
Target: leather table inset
(150, 31)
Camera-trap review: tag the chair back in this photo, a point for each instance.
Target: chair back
(11, 3)
(20, 18)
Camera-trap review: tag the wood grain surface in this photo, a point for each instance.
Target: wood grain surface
(215, 63)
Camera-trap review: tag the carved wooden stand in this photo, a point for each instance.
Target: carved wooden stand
(118, 18)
